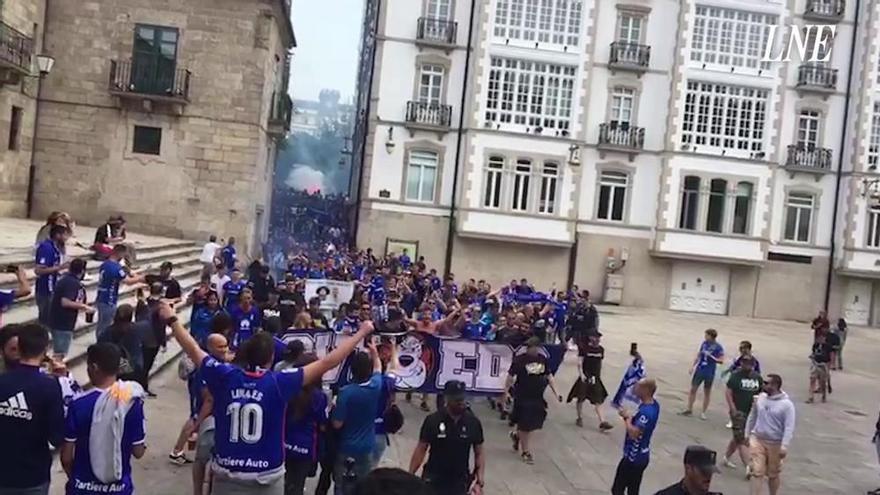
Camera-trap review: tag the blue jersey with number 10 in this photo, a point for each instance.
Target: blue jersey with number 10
(249, 410)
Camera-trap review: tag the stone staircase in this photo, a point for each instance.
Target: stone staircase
(151, 254)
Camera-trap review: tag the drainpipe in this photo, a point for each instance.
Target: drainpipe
(360, 182)
(840, 154)
(32, 170)
(450, 233)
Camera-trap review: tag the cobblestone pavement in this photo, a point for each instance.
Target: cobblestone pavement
(831, 452)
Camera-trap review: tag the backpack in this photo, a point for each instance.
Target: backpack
(393, 419)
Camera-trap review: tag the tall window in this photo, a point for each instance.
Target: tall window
(549, 187)
(690, 203)
(722, 116)
(742, 207)
(612, 195)
(629, 28)
(154, 58)
(15, 128)
(730, 38)
(522, 179)
(622, 105)
(431, 84)
(811, 43)
(532, 94)
(799, 216)
(874, 139)
(717, 200)
(874, 227)
(556, 22)
(438, 9)
(421, 176)
(808, 129)
(494, 179)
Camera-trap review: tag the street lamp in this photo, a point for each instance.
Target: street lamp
(574, 155)
(45, 64)
(389, 143)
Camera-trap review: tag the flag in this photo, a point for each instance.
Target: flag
(624, 395)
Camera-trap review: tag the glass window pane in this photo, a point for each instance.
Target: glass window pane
(428, 177)
(604, 202)
(618, 206)
(791, 223)
(804, 225)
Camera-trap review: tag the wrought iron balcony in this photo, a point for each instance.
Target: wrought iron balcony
(808, 159)
(16, 50)
(630, 56)
(433, 31)
(817, 77)
(280, 114)
(428, 115)
(149, 80)
(621, 137)
(825, 10)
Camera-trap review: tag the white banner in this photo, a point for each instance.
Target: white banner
(332, 293)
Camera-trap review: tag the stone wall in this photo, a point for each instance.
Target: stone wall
(25, 16)
(213, 169)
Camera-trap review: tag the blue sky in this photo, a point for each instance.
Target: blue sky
(327, 35)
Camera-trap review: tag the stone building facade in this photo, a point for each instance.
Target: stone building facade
(166, 112)
(21, 27)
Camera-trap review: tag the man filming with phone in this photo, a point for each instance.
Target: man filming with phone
(8, 296)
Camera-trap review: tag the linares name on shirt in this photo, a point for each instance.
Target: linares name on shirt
(243, 393)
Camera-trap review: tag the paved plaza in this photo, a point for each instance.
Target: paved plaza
(831, 452)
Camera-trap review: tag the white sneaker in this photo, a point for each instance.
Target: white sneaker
(729, 425)
(748, 472)
(703, 416)
(727, 463)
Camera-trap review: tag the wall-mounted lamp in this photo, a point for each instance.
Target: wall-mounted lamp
(574, 155)
(45, 64)
(389, 143)
(871, 186)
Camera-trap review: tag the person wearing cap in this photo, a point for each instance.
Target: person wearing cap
(699, 466)
(529, 374)
(447, 438)
(639, 426)
(589, 386)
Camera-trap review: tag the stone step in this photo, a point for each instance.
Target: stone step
(25, 258)
(152, 257)
(188, 272)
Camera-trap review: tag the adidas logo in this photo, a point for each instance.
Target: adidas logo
(16, 407)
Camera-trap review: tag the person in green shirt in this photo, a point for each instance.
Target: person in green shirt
(742, 387)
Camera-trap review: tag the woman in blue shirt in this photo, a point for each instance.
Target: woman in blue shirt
(306, 424)
(200, 323)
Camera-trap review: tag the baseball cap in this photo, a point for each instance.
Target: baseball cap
(454, 390)
(701, 458)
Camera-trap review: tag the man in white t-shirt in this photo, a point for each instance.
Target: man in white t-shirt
(219, 279)
(209, 254)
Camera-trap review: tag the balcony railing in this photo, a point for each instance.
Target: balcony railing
(149, 79)
(825, 10)
(436, 31)
(280, 114)
(817, 77)
(621, 137)
(809, 158)
(16, 49)
(626, 55)
(428, 114)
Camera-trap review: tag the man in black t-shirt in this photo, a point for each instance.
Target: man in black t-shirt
(170, 287)
(68, 299)
(699, 466)
(288, 300)
(262, 284)
(271, 313)
(819, 359)
(589, 386)
(449, 435)
(529, 374)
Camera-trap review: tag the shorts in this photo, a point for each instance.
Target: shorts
(61, 340)
(738, 427)
(205, 446)
(819, 371)
(528, 415)
(702, 378)
(764, 458)
(227, 486)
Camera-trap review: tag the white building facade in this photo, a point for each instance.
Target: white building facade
(551, 137)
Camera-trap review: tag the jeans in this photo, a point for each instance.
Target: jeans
(628, 478)
(105, 317)
(296, 472)
(149, 358)
(343, 486)
(379, 449)
(61, 340)
(34, 490)
(44, 302)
